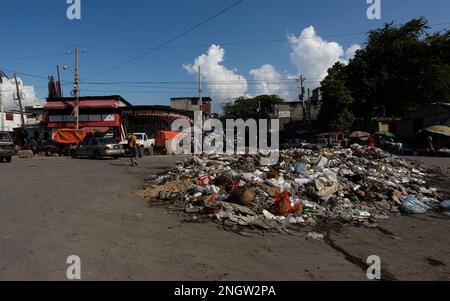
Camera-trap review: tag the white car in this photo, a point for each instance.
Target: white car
(145, 145)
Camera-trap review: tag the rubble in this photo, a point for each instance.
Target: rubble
(357, 186)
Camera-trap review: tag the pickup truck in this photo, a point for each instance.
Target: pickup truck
(6, 147)
(145, 145)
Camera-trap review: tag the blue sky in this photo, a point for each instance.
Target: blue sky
(34, 28)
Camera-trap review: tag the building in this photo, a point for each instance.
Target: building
(151, 119)
(302, 113)
(316, 97)
(12, 119)
(407, 128)
(191, 104)
(101, 113)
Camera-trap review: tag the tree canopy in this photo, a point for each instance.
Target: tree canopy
(258, 107)
(401, 69)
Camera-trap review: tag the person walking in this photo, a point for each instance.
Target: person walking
(132, 147)
(430, 145)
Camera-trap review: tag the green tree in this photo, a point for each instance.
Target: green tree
(401, 69)
(336, 111)
(258, 107)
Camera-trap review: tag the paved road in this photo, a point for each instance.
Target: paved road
(51, 208)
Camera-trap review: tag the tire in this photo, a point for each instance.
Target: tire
(97, 155)
(151, 151)
(8, 159)
(141, 151)
(73, 154)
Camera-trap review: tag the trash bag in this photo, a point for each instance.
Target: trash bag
(411, 205)
(301, 169)
(446, 205)
(283, 206)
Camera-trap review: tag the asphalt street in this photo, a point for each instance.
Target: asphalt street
(51, 208)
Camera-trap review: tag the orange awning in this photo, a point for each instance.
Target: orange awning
(70, 136)
(162, 136)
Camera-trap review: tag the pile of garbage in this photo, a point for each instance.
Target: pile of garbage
(353, 186)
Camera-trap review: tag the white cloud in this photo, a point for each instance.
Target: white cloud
(269, 81)
(350, 52)
(310, 54)
(8, 91)
(313, 56)
(224, 84)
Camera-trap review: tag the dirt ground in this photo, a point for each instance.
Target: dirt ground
(51, 208)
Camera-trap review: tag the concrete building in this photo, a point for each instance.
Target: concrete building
(407, 128)
(298, 112)
(11, 119)
(99, 112)
(191, 104)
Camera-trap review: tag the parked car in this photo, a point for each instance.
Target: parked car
(97, 148)
(146, 145)
(6, 147)
(293, 143)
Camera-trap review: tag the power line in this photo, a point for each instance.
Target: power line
(32, 57)
(197, 45)
(170, 40)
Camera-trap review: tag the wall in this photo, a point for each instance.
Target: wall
(10, 125)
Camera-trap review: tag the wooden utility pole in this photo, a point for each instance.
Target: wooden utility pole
(76, 91)
(2, 116)
(19, 98)
(59, 82)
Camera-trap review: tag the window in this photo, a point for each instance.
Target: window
(9, 116)
(194, 102)
(4, 137)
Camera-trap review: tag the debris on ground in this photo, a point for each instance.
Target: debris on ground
(351, 186)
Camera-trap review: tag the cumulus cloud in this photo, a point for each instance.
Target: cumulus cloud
(8, 91)
(223, 83)
(310, 54)
(350, 52)
(269, 81)
(313, 56)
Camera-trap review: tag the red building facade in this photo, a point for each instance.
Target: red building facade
(99, 112)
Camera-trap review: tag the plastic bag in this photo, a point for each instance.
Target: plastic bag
(446, 205)
(412, 205)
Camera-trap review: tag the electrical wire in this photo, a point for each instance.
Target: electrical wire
(170, 40)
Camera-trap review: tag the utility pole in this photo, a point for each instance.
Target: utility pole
(309, 108)
(2, 117)
(19, 98)
(302, 95)
(59, 82)
(76, 91)
(200, 100)
(302, 89)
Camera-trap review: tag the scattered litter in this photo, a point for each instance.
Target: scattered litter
(412, 205)
(315, 236)
(358, 186)
(446, 205)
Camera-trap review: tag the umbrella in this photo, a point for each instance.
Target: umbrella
(359, 134)
(385, 134)
(439, 129)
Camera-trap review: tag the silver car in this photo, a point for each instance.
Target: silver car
(98, 148)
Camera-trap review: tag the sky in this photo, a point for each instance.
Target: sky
(256, 47)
